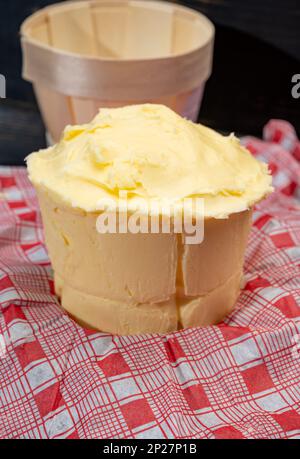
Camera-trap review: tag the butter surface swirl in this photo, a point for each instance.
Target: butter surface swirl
(152, 153)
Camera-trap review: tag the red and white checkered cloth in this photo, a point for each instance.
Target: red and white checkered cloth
(240, 379)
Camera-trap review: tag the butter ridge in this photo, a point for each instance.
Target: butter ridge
(151, 153)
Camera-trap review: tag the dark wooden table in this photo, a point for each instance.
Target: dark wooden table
(21, 131)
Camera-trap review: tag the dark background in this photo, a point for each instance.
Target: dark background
(257, 50)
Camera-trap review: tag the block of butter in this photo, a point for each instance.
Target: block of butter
(133, 282)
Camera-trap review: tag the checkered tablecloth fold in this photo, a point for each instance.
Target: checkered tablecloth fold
(239, 379)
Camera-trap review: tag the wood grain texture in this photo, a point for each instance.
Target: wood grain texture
(21, 131)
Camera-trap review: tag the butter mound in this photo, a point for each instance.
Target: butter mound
(130, 283)
(152, 153)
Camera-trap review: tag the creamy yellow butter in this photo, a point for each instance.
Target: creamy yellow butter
(151, 152)
(146, 283)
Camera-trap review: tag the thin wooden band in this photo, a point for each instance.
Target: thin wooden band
(92, 77)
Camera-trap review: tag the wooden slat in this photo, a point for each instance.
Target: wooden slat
(72, 29)
(56, 110)
(148, 32)
(84, 110)
(109, 26)
(41, 33)
(186, 34)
